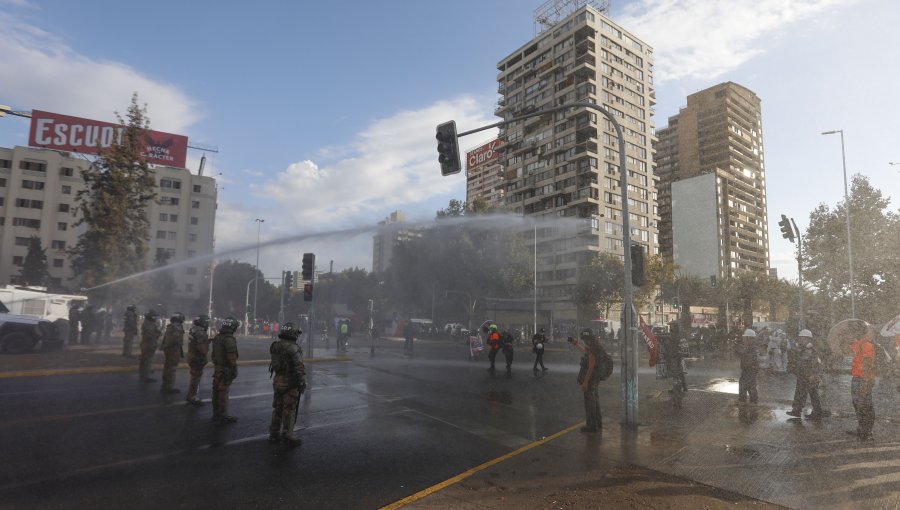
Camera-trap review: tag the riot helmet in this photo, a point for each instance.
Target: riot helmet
(151, 315)
(178, 318)
(229, 325)
(202, 321)
(289, 331)
(131, 308)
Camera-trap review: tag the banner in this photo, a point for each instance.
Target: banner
(652, 342)
(75, 134)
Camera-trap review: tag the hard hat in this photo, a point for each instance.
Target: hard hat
(749, 333)
(809, 345)
(805, 333)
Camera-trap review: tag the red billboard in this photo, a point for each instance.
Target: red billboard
(74, 134)
(484, 154)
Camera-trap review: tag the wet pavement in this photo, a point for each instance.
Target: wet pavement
(379, 429)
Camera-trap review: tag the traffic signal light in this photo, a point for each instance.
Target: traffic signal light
(288, 280)
(309, 266)
(787, 231)
(448, 148)
(637, 265)
(712, 281)
(307, 291)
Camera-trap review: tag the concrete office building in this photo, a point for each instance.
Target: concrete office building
(718, 224)
(564, 165)
(391, 231)
(37, 198)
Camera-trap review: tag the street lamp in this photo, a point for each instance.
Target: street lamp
(847, 205)
(259, 222)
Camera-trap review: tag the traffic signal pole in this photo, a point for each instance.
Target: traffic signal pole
(629, 348)
(799, 272)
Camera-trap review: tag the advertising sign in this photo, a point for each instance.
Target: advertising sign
(75, 134)
(484, 154)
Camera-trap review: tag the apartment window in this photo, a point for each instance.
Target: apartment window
(194, 220)
(63, 207)
(36, 166)
(22, 202)
(192, 238)
(192, 253)
(21, 241)
(173, 218)
(195, 204)
(189, 287)
(32, 184)
(163, 216)
(67, 190)
(3, 182)
(62, 226)
(173, 235)
(5, 163)
(2, 221)
(168, 201)
(58, 245)
(165, 253)
(196, 188)
(170, 184)
(2, 200)
(160, 234)
(26, 222)
(57, 262)
(67, 171)
(191, 270)
(18, 260)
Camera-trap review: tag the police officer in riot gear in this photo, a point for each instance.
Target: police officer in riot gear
(225, 356)
(289, 382)
(173, 347)
(130, 329)
(198, 348)
(149, 337)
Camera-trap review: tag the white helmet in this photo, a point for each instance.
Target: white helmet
(805, 333)
(749, 333)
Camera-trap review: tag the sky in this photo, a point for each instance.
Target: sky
(324, 113)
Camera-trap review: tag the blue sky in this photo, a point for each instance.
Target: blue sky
(324, 112)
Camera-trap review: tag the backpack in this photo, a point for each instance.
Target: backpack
(602, 369)
(345, 328)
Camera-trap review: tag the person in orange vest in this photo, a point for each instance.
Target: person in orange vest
(494, 344)
(862, 374)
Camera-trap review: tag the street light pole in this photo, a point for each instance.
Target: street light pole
(247, 307)
(847, 206)
(259, 222)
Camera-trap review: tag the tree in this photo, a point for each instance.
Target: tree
(119, 187)
(600, 285)
(34, 269)
(689, 290)
(658, 272)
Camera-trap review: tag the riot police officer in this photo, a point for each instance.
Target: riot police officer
(288, 383)
(149, 337)
(130, 329)
(225, 356)
(198, 348)
(173, 347)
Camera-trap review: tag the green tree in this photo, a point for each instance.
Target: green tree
(600, 285)
(688, 290)
(119, 187)
(34, 268)
(658, 272)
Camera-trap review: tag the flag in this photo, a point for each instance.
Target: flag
(652, 343)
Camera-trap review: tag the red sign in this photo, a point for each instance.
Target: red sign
(485, 153)
(74, 134)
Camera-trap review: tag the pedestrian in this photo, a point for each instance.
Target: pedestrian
(589, 378)
(537, 347)
(862, 372)
(773, 349)
(494, 344)
(508, 349)
(108, 326)
(87, 318)
(198, 348)
(129, 330)
(288, 383)
(409, 335)
(808, 368)
(274, 330)
(173, 347)
(225, 356)
(343, 335)
(149, 337)
(74, 322)
(749, 356)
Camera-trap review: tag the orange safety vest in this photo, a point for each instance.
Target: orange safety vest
(494, 340)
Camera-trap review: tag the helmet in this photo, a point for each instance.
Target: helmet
(749, 333)
(178, 317)
(492, 327)
(587, 333)
(151, 315)
(202, 321)
(229, 325)
(131, 308)
(289, 331)
(805, 333)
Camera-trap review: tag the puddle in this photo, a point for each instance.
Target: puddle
(722, 386)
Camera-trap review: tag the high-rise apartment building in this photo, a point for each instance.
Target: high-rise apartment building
(485, 175)
(718, 133)
(37, 198)
(564, 165)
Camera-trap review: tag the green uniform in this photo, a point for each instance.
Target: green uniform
(149, 338)
(288, 383)
(130, 330)
(198, 348)
(173, 348)
(224, 357)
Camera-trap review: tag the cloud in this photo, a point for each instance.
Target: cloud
(704, 39)
(390, 164)
(49, 75)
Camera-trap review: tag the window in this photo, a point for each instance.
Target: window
(67, 190)
(196, 188)
(22, 202)
(2, 200)
(36, 166)
(172, 235)
(163, 216)
(58, 245)
(3, 182)
(21, 241)
(195, 204)
(32, 184)
(37, 204)
(160, 234)
(62, 226)
(173, 218)
(194, 220)
(189, 287)
(165, 253)
(191, 270)
(168, 201)
(170, 184)
(18, 260)
(66, 171)
(2, 221)
(191, 253)
(5, 163)
(63, 207)
(57, 262)
(26, 222)
(192, 238)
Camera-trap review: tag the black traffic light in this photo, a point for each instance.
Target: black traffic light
(309, 266)
(448, 148)
(787, 231)
(712, 281)
(288, 280)
(307, 291)
(637, 265)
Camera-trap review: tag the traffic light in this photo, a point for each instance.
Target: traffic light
(448, 148)
(309, 266)
(787, 231)
(637, 265)
(288, 280)
(307, 291)
(712, 281)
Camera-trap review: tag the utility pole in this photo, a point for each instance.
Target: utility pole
(802, 324)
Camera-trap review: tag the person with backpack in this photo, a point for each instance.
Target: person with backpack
(862, 372)
(288, 383)
(508, 341)
(537, 347)
(225, 370)
(343, 335)
(596, 366)
(808, 367)
(494, 344)
(749, 357)
(198, 349)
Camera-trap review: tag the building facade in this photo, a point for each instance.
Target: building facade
(717, 134)
(37, 198)
(391, 231)
(485, 175)
(562, 168)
